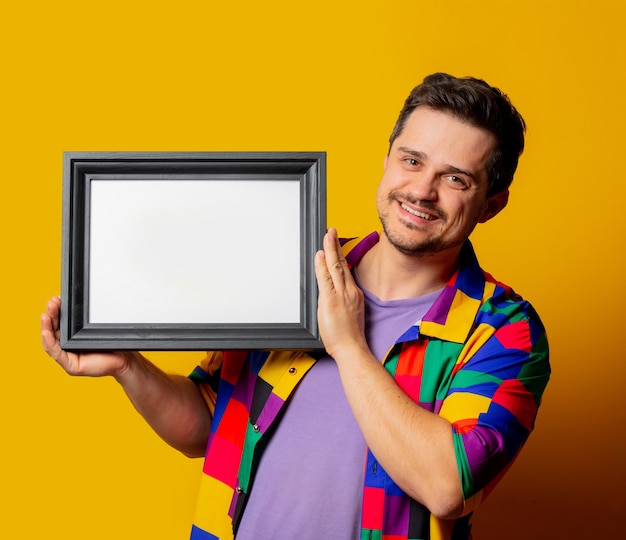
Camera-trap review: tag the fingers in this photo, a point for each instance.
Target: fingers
(50, 328)
(336, 264)
(53, 309)
(48, 337)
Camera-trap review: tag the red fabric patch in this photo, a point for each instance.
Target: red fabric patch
(411, 359)
(232, 426)
(373, 502)
(513, 396)
(231, 366)
(410, 385)
(222, 461)
(465, 426)
(515, 336)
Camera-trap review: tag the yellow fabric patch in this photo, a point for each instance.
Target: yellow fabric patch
(478, 338)
(441, 529)
(459, 321)
(462, 405)
(490, 288)
(347, 247)
(284, 369)
(209, 396)
(212, 362)
(214, 499)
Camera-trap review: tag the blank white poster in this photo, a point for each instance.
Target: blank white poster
(194, 251)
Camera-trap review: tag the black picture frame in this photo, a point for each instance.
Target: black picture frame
(105, 203)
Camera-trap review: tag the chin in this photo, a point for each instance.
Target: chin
(418, 247)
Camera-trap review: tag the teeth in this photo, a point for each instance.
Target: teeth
(416, 213)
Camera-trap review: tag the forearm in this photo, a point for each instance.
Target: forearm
(171, 404)
(413, 445)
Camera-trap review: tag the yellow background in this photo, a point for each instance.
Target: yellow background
(77, 462)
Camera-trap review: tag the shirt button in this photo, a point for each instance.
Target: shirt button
(239, 490)
(255, 428)
(292, 370)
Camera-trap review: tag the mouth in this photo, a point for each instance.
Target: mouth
(423, 215)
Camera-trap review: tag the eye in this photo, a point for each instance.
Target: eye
(457, 182)
(411, 161)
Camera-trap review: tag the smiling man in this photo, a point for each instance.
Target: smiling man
(431, 378)
(436, 183)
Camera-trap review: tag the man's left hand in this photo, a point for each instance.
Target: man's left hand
(340, 304)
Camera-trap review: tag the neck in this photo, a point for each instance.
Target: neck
(393, 275)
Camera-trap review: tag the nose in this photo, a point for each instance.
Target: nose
(423, 186)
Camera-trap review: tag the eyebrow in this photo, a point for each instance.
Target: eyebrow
(422, 156)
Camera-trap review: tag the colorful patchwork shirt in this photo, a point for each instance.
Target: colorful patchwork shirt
(478, 358)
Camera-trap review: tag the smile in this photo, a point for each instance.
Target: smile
(422, 215)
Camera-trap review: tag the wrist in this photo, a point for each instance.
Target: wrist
(131, 365)
(353, 353)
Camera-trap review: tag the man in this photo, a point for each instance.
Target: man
(432, 375)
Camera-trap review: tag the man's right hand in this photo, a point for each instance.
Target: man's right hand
(171, 404)
(91, 364)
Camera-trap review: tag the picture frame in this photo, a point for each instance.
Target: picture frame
(191, 250)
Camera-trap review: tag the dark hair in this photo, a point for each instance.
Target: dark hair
(481, 105)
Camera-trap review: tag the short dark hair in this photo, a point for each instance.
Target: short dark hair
(476, 102)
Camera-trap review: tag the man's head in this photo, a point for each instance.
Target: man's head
(483, 106)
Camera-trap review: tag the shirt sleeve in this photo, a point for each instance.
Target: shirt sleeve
(494, 394)
(206, 376)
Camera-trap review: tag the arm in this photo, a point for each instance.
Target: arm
(393, 425)
(171, 404)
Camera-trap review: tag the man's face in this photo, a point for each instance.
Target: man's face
(434, 188)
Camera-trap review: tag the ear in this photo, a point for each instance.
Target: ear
(494, 204)
(385, 162)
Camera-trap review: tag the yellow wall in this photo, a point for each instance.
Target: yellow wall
(76, 461)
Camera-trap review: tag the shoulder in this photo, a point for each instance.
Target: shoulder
(501, 301)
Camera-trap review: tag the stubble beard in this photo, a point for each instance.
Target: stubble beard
(406, 245)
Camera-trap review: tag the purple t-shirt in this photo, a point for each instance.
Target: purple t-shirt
(309, 483)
